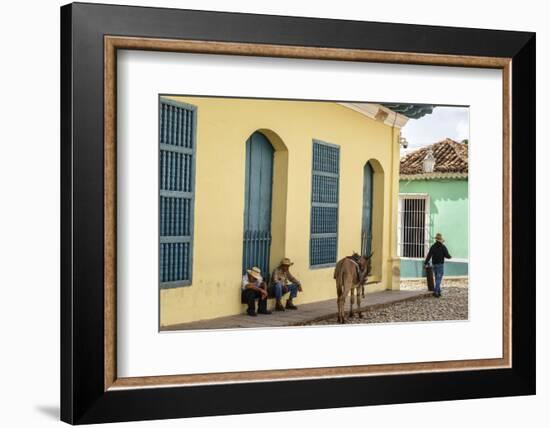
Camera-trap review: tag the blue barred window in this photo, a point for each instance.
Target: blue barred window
(323, 243)
(177, 134)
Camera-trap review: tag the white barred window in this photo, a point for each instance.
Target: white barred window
(413, 225)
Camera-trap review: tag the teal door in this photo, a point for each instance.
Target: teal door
(366, 229)
(257, 203)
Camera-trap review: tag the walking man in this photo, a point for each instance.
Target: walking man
(253, 287)
(438, 253)
(282, 282)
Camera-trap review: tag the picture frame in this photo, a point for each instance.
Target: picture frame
(91, 392)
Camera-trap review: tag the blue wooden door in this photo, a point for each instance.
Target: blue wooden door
(366, 229)
(257, 206)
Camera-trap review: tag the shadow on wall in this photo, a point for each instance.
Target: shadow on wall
(50, 411)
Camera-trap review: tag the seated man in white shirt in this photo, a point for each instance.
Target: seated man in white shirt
(253, 287)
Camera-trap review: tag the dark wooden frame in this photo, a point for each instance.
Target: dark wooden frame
(90, 34)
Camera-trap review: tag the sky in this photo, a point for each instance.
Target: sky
(444, 122)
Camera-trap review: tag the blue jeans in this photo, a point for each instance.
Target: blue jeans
(438, 272)
(279, 290)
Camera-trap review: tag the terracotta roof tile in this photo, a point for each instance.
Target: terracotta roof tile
(450, 156)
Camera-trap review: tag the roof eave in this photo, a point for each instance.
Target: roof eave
(434, 176)
(372, 111)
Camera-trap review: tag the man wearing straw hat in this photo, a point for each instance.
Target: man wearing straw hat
(253, 287)
(438, 253)
(282, 282)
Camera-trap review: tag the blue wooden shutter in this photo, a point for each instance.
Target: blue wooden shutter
(177, 134)
(323, 244)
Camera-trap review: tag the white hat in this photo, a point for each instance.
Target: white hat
(255, 272)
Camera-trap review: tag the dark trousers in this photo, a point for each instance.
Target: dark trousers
(249, 296)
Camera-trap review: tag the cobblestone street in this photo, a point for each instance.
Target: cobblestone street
(452, 305)
(411, 303)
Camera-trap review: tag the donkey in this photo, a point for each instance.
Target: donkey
(351, 273)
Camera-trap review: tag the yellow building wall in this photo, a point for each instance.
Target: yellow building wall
(223, 126)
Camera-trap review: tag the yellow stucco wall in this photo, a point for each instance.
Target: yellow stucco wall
(223, 126)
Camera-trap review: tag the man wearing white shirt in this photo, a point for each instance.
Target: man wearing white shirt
(253, 287)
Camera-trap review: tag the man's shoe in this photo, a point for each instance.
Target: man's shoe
(279, 306)
(265, 312)
(290, 305)
(251, 313)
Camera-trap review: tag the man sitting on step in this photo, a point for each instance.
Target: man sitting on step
(253, 287)
(282, 282)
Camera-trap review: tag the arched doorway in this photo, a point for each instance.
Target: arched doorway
(258, 201)
(366, 225)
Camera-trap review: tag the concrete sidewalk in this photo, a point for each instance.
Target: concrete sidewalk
(306, 313)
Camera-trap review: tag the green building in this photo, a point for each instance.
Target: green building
(433, 197)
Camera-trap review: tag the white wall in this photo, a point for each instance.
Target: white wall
(29, 214)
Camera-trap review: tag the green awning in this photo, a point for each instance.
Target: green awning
(412, 111)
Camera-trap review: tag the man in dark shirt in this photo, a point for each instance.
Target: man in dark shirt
(438, 253)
